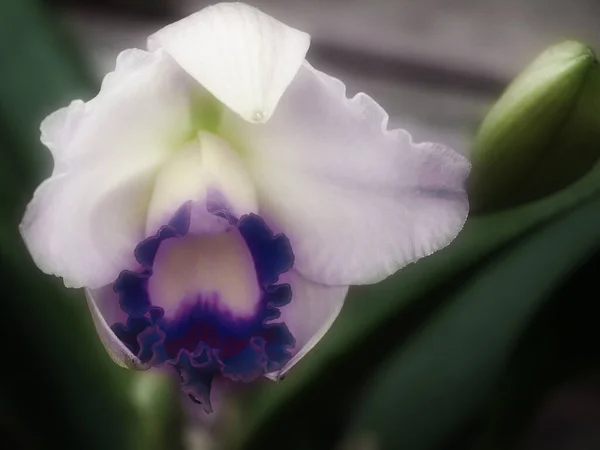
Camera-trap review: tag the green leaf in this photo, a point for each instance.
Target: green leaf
(377, 318)
(63, 386)
(435, 382)
(554, 365)
(59, 385)
(40, 73)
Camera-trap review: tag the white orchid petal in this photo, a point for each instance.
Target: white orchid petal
(244, 57)
(357, 202)
(204, 166)
(310, 314)
(103, 305)
(85, 220)
(57, 130)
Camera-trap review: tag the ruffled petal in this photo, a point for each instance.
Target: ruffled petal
(357, 201)
(85, 220)
(244, 57)
(58, 129)
(310, 314)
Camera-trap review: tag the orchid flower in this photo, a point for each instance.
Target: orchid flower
(219, 195)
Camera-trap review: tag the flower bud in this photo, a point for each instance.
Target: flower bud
(543, 133)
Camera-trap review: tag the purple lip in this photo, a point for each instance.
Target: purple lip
(202, 341)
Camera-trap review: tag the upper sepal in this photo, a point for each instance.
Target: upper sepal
(244, 57)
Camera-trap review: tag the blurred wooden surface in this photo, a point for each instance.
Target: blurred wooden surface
(435, 65)
(484, 36)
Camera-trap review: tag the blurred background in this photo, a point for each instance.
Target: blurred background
(433, 64)
(493, 343)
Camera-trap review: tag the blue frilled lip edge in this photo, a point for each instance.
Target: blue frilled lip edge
(202, 341)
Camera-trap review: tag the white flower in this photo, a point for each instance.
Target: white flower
(219, 195)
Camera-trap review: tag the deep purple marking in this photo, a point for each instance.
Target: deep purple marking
(202, 341)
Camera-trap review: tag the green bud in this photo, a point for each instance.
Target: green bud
(543, 133)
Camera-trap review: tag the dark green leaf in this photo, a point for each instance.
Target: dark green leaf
(377, 318)
(443, 375)
(59, 387)
(548, 388)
